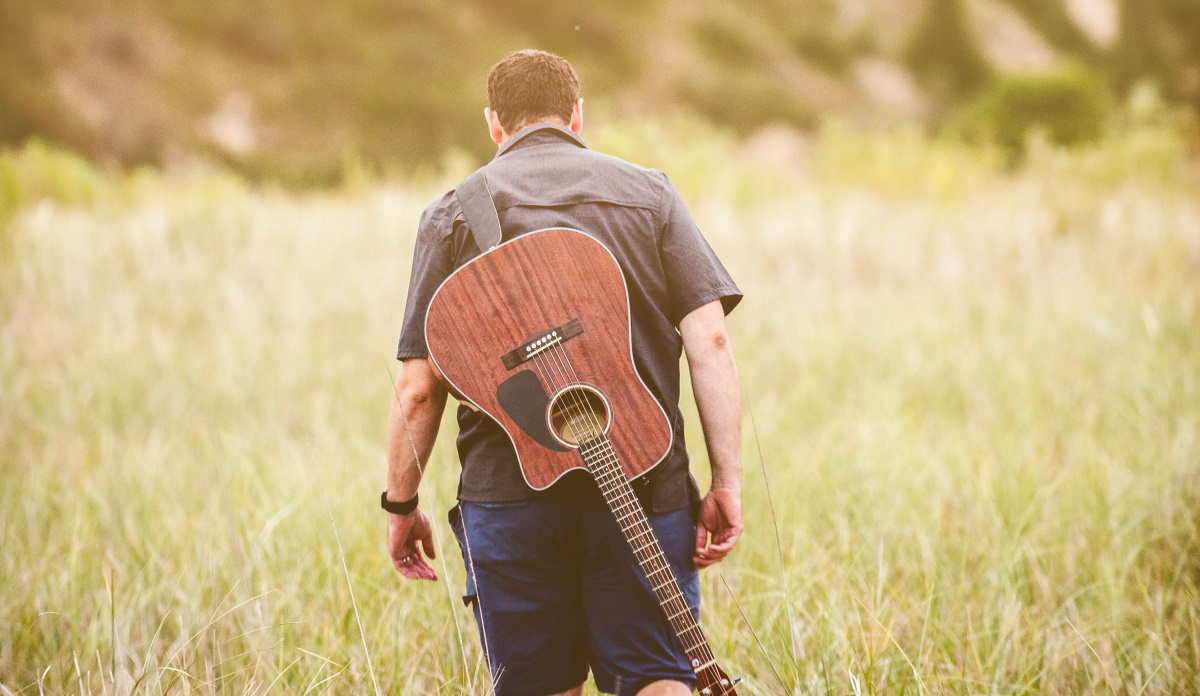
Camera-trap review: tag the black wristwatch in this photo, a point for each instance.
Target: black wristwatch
(398, 508)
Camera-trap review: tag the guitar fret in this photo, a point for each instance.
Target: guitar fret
(653, 558)
(625, 503)
(617, 505)
(681, 612)
(659, 569)
(633, 527)
(693, 647)
(639, 535)
(651, 570)
(641, 544)
(657, 556)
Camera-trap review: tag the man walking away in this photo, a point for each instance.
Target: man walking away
(555, 590)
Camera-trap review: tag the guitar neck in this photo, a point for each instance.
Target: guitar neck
(619, 495)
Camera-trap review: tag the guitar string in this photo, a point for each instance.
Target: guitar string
(690, 635)
(678, 611)
(615, 475)
(676, 607)
(587, 411)
(651, 553)
(616, 482)
(584, 410)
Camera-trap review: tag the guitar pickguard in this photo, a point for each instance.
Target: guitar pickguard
(525, 400)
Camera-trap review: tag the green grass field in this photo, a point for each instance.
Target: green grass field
(976, 394)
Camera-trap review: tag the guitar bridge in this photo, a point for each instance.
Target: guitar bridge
(540, 343)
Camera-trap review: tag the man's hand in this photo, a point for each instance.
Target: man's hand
(405, 532)
(720, 516)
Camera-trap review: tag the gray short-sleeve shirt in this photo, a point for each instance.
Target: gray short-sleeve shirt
(544, 176)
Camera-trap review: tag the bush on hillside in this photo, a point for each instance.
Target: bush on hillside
(1069, 106)
(39, 171)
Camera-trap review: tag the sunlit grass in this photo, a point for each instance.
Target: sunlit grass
(977, 397)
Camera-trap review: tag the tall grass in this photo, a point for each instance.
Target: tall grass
(976, 395)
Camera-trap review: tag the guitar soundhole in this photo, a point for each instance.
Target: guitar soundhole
(578, 414)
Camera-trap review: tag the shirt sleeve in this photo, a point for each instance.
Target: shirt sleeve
(432, 263)
(695, 276)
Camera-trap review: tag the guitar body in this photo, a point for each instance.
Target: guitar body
(535, 333)
(516, 294)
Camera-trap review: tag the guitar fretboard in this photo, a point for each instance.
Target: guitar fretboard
(618, 493)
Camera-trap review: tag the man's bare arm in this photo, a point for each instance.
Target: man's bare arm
(718, 399)
(417, 404)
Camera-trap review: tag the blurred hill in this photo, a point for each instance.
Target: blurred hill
(292, 89)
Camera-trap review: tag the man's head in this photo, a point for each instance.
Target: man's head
(530, 87)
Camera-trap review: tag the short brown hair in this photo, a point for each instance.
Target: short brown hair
(530, 86)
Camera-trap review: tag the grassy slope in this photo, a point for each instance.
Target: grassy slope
(308, 84)
(977, 397)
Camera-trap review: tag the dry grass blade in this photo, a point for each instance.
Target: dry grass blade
(353, 602)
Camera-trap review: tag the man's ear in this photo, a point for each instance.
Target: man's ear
(495, 130)
(577, 116)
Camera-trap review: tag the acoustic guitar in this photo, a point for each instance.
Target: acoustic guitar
(535, 333)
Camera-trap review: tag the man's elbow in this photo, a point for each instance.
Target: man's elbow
(704, 332)
(709, 343)
(417, 388)
(415, 397)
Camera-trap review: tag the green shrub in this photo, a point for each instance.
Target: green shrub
(10, 194)
(38, 171)
(1068, 106)
(9, 201)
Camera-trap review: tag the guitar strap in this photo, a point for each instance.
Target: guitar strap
(479, 210)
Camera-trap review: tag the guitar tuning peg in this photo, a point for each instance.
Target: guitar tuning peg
(737, 680)
(706, 692)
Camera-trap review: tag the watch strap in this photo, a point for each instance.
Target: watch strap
(398, 508)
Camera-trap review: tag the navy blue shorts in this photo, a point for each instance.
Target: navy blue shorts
(556, 591)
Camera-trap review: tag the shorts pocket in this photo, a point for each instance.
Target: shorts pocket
(501, 506)
(454, 517)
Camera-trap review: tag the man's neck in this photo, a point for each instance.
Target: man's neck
(508, 136)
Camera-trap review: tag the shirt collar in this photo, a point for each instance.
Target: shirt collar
(552, 128)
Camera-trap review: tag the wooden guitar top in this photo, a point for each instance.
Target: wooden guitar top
(526, 321)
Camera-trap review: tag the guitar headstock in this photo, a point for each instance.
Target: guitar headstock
(712, 681)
